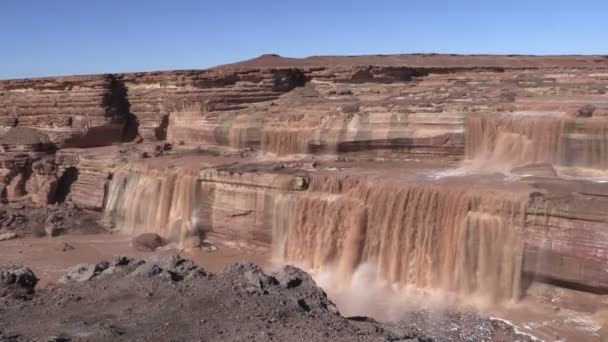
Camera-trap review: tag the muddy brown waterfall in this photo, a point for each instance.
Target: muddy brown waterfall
(167, 201)
(502, 141)
(456, 238)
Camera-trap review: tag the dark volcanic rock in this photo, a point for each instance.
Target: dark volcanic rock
(290, 277)
(250, 275)
(16, 278)
(84, 272)
(179, 267)
(122, 266)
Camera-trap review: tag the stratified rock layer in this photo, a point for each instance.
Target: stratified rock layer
(385, 160)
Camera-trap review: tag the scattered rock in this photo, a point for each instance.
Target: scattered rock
(302, 304)
(250, 274)
(17, 278)
(122, 265)
(290, 277)
(83, 272)
(8, 236)
(147, 242)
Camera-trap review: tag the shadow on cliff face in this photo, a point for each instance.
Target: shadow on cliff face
(287, 80)
(121, 110)
(70, 175)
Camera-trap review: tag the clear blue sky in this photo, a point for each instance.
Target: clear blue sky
(62, 37)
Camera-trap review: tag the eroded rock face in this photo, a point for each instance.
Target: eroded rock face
(84, 174)
(27, 167)
(566, 233)
(153, 96)
(415, 116)
(77, 111)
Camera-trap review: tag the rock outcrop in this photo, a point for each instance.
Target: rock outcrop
(157, 298)
(27, 167)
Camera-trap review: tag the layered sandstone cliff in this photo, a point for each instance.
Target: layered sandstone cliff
(391, 133)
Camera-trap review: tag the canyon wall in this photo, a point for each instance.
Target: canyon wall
(337, 164)
(78, 111)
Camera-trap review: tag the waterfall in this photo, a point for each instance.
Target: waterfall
(165, 201)
(500, 142)
(284, 141)
(456, 238)
(503, 141)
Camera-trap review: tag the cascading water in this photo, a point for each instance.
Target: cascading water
(455, 238)
(503, 141)
(446, 235)
(166, 201)
(283, 141)
(318, 229)
(500, 142)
